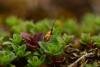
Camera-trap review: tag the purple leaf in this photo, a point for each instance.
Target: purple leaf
(32, 40)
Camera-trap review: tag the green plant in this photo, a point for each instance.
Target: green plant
(49, 42)
(18, 25)
(42, 26)
(92, 65)
(88, 23)
(55, 46)
(85, 38)
(16, 39)
(68, 38)
(52, 49)
(6, 57)
(71, 27)
(35, 61)
(3, 35)
(16, 45)
(96, 40)
(91, 24)
(12, 20)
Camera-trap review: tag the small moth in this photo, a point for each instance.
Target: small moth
(49, 33)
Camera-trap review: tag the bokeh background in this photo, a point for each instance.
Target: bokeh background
(39, 9)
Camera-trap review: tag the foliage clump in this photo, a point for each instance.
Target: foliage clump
(49, 42)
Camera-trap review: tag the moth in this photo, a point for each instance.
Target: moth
(49, 33)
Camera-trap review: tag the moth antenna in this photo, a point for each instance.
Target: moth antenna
(52, 28)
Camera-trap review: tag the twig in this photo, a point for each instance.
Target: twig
(84, 63)
(84, 56)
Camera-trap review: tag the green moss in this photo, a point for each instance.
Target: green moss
(62, 35)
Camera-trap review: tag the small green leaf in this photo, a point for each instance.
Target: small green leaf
(35, 61)
(68, 38)
(52, 48)
(20, 51)
(96, 40)
(85, 38)
(6, 57)
(17, 40)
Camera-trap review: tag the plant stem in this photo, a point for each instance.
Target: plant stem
(82, 57)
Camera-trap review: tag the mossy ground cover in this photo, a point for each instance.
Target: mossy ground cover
(50, 43)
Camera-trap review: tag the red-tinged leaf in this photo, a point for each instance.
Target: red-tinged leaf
(57, 60)
(38, 37)
(91, 46)
(26, 36)
(32, 40)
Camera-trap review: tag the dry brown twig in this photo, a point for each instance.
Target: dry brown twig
(82, 57)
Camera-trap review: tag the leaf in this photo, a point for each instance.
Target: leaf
(52, 48)
(32, 40)
(42, 26)
(6, 57)
(20, 51)
(85, 38)
(96, 40)
(17, 40)
(35, 61)
(68, 38)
